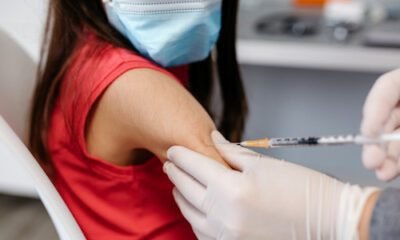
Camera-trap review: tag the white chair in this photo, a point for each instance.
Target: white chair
(19, 172)
(13, 149)
(17, 79)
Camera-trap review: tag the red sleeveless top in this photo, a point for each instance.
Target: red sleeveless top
(109, 202)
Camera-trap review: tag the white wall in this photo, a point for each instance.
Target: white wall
(23, 21)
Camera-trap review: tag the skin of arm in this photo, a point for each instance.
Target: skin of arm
(145, 112)
(363, 227)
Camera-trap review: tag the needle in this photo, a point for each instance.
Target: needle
(317, 141)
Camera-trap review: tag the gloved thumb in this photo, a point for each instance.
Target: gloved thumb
(381, 101)
(237, 157)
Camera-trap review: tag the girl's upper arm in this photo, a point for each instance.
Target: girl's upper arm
(146, 109)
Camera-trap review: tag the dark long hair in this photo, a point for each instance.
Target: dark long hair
(66, 21)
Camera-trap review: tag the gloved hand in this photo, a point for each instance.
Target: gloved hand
(382, 115)
(263, 198)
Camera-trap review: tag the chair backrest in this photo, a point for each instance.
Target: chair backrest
(19, 171)
(17, 80)
(13, 149)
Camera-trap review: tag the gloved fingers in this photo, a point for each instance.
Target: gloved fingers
(196, 218)
(388, 171)
(192, 190)
(392, 126)
(393, 150)
(373, 156)
(393, 121)
(201, 168)
(237, 157)
(381, 100)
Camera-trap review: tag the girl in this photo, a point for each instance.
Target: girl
(111, 99)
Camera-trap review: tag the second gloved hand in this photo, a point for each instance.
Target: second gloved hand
(263, 198)
(382, 115)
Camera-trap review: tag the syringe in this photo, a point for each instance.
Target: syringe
(318, 141)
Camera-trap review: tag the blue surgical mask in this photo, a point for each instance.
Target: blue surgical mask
(171, 33)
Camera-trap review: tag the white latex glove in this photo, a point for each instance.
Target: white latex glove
(382, 115)
(263, 199)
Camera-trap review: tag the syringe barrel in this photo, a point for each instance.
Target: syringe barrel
(291, 142)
